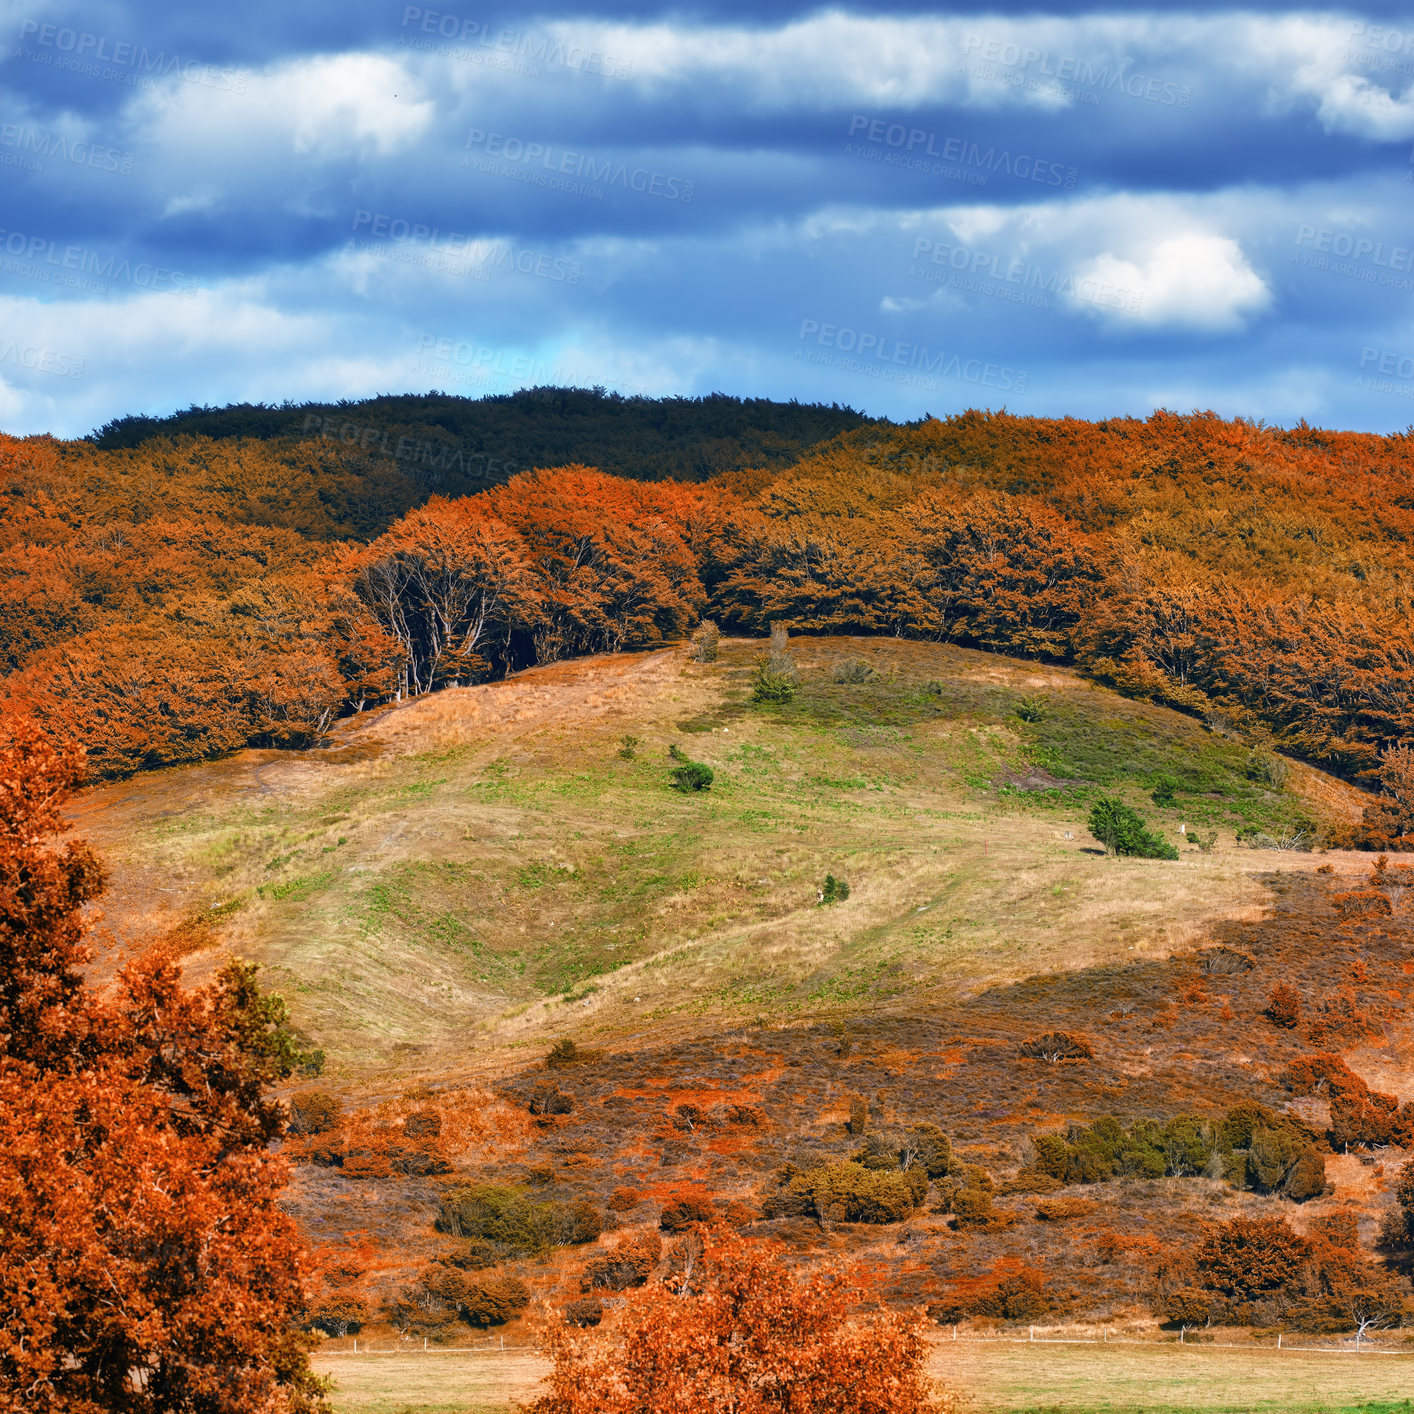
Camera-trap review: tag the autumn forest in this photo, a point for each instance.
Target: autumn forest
(724, 895)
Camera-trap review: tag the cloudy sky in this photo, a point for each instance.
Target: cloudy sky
(903, 209)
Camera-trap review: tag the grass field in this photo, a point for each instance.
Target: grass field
(1002, 1377)
(476, 871)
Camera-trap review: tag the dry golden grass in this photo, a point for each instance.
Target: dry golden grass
(1000, 1376)
(462, 877)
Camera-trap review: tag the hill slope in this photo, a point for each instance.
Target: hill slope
(481, 868)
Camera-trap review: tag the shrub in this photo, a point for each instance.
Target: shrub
(676, 753)
(854, 670)
(622, 1199)
(972, 1208)
(683, 1213)
(746, 1333)
(772, 684)
(693, 776)
(1123, 831)
(1206, 841)
(1223, 961)
(515, 1222)
(1018, 1296)
(548, 1099)
(1242, 1121)
(628, 747)
(932, 688)
(1271, 1155)
(849, 1193)
(1055, 1210)
(585, 1313)
(1267, 768)
(1031, 708)
(422, 1124)
(1249, 1267)
(314, 1112)
(1307, 1176)
(337, 1315)
(1284, 1006)
(930, 1148)
(1057, 1046)
(706, 639)
(858, 1120)
(566, 1053)
(1165, 789)
(833, 890)
(493, 1299)
(627, 1266)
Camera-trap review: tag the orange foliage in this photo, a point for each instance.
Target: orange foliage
(170, 602)
(737, 1330)
(145, 1263)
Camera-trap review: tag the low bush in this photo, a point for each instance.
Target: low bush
(514, 1222)
(485, 1299)
(1284, 1007)
(1224, 961)
(1123, 831)
(773, 683)
(848, 1192)
(565, 1053)
(314, 1112)
(705, 642)
(929, 1147)
(1267, 768)
(858, 1120)
(1031, 708)
(548, 1099)
(584, 1313)
(1251, 1147)
(622, 1199)
(628, 747)
(682, 1213)
(1056, 1210)
(1165, 789)
(833, 890)
(422, 1124)
(628, 1265)
(854, 670)
(1055, 1047)
(693, 776)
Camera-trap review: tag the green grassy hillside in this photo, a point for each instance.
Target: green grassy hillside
(483, 869)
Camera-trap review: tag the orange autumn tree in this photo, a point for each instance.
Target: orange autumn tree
(737, 1332)
(145, 1264)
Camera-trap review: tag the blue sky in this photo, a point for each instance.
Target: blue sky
(901, 208)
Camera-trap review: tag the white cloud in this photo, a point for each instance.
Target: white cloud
(1194, 280)
(1087, 63)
